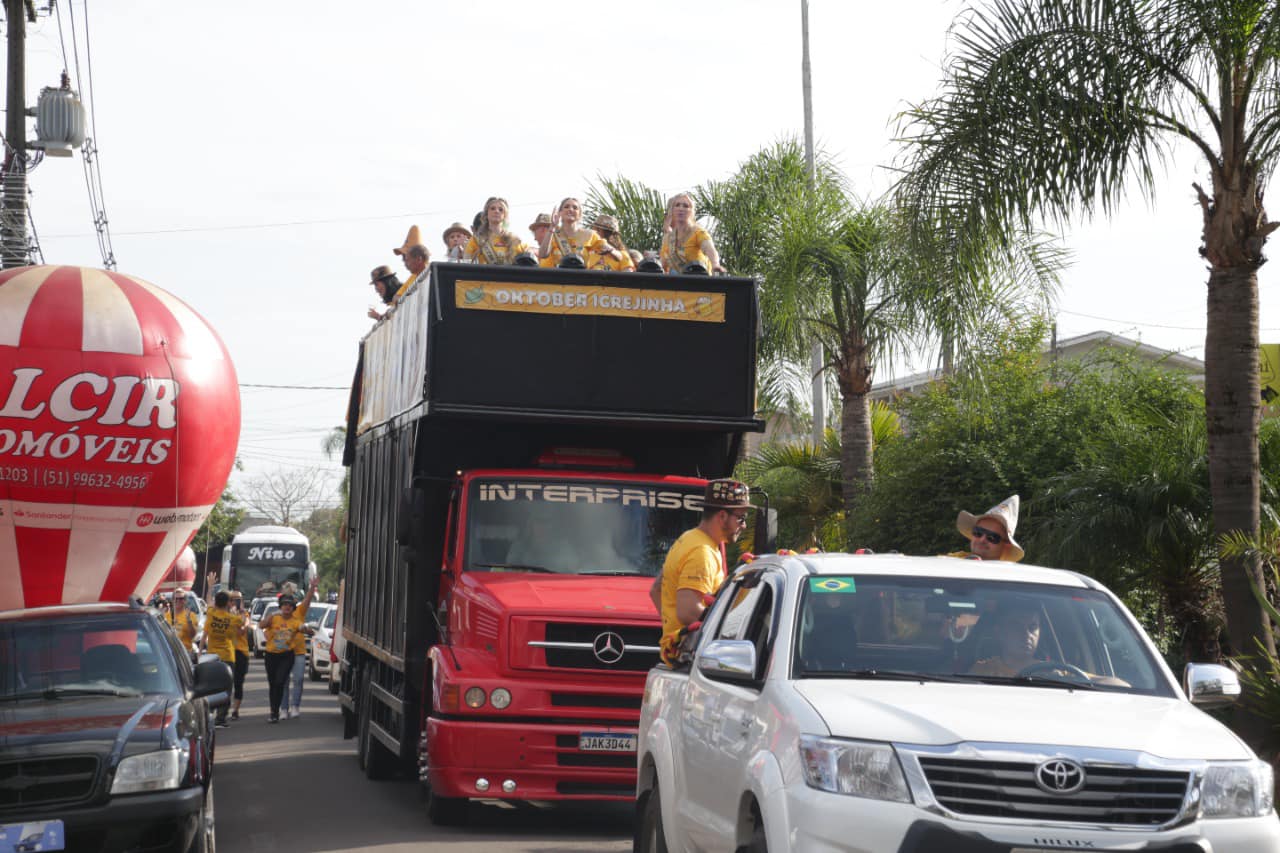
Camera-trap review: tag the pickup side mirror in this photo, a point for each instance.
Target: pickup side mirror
(728, 660)
(1210, 685)
(212, 676)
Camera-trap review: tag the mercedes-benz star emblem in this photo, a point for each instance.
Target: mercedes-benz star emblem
(1060, 776)
(608, 647)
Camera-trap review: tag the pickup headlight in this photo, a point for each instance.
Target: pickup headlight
(1241, 789)
(150, 771)
(857, 768)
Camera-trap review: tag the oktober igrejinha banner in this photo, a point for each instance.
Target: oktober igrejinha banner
(574, 299)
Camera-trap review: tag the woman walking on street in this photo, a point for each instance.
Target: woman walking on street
(240, 639)
(284, 640)
(220, 629)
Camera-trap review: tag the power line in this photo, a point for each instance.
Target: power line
(89, 150)
(298, 387)
(1137, 324)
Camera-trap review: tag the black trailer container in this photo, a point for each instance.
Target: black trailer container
(488, 367)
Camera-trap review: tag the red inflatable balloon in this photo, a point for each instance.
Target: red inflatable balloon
(119, 417)
(181, 575)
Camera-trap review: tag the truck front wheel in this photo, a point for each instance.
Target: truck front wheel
(650, 837)
(442, 811)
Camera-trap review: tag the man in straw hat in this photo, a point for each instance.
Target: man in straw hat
(694, 568)
(990, 535)
(455, 240)
(539, 227)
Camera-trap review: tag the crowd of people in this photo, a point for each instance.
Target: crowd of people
(225, 633)
(560, 239)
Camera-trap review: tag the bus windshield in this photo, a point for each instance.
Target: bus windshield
(262, 569)
(576, 527)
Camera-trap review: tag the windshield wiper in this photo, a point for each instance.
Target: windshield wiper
(520, 567)
(60, 692)
(616, 574)
(887, 674)
(1034, 681)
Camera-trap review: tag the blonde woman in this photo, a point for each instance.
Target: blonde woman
(683, 241)
(607, 227)
(567, 236)
(493, 243)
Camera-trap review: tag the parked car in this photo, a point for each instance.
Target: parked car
(843, 703)
(258, 638)
(105, 735)
(337, 647)
(316, 613)
(322, 641)
(256, 608)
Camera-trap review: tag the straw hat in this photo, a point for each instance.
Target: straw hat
(1005, 512)
(607, 222)
(455, 228)
(414, 238)
(540, 220)
(380, 273)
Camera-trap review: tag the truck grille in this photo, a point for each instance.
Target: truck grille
(46, 781)
(1127, 796)
(618, 648)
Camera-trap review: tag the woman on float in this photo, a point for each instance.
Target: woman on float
(617, 261)
(683, 241)
(493, 243)
(568, 237)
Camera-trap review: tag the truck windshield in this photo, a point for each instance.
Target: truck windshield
(976, 631)
(58, 658)
(576, 527)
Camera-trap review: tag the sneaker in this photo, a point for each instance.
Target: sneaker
(223, 723)
(297, 711)
(274, 718)
(235, 715)
(287, 713)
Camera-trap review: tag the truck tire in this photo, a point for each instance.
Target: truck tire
(650, 837)
(375, 760)
(443, 811)
(313, 672)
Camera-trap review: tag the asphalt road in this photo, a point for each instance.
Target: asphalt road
(295, 786)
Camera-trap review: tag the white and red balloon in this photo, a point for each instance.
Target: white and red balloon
(119, 418)
(182, 574)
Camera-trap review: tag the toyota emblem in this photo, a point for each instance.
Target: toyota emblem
(1060, 776)
(608, 647)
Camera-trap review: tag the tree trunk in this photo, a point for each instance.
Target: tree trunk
(855, 447)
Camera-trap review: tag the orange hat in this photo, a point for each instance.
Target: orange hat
(414, 238)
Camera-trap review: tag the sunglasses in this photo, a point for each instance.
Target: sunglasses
(989, 535)
(740, 519)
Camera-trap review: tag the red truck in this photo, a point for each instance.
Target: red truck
(525, 444)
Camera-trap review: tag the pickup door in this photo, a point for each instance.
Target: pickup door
(720, 720)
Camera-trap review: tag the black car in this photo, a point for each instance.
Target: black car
(105, 734)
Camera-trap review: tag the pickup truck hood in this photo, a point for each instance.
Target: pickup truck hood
(937, 714)
(83, 723)
(529, 594)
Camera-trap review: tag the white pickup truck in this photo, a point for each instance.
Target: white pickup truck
(894, 704)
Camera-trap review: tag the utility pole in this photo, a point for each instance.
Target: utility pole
(816, 358)
(13, 212)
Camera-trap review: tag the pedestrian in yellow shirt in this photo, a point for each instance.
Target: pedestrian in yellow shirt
(694, 568)
(183, 621)
(240, 639)
(219, 638)
(285, 639)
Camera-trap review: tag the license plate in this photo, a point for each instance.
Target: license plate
(31, 836)
(606, 742)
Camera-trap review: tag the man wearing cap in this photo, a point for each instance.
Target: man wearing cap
(455, 240)
(990, 535)
(694, 568)
(385, 284)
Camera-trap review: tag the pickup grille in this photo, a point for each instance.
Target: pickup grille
(631, 648)
(1123, 796)
(37, 782)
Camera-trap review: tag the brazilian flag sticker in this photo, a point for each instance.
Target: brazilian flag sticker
(832, 584)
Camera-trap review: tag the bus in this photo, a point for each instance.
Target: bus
(260, 560)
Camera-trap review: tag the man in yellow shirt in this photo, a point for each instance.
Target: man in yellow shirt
(285, 639)
(219, 638)
(183, 621)
(694, 568)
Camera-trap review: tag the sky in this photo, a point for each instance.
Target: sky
(259, 159)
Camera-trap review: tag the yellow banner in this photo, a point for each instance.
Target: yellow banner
(1270, 374)
(586, 300)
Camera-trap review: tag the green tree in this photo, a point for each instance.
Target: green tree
(224, 520)
(1052, 108)
(639, 209)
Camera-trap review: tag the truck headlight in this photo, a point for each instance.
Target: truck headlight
(857, 768)
(500, 698)
(474, 697)
(150, 771)
(1239, 789)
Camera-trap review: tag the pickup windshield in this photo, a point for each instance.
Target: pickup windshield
(976, 631)
(108, 654)
(588, 527)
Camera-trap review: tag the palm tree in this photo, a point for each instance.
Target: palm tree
(639, 209)
(1050, 108)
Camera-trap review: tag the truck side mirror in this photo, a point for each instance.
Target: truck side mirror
(1210, 685)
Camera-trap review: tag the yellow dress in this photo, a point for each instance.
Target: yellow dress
(676, 257)
(600, 259)
(505, 248)
(582, 246)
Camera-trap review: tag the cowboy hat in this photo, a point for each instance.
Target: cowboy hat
(380, 273)
(542, 219)
(414, 238)
(1005, 512)
(606, 222)
(455, 228)
(727, 494)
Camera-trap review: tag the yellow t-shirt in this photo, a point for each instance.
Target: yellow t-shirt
(504, 248)
(240, 634)
(599, 259)
(581, 245)
(686, 253)
(219, 632)
(692, 563)
(187, 627)
(285, 635)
